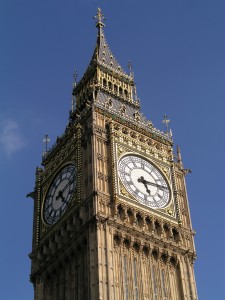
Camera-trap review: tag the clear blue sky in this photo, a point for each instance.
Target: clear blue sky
(178, 52)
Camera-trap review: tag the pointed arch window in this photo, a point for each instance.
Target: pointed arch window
(115, 88)
(125, 277)
(135, 279)
(164, 293)
(154, 284)
(187, 275)
(104, 82)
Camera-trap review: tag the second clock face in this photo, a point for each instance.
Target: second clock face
(59, 194)
(144, 181)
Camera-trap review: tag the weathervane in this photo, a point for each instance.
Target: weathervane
(100, 18)
(166, 121)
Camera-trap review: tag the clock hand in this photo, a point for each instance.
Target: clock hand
(60, 192)
(147, 190)
(157, 185)
(142, 180)
(145, 182)
(60, 195)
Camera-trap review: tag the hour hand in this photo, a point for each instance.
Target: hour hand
(60, 195)
(142, 180)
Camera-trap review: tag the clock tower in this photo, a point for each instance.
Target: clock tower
(111, 214)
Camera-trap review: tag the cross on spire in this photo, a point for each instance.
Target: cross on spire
(100, 18)
(166, 121)
(46, 140)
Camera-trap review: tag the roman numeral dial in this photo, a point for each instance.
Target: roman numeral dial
(59, 194)
(144, 181)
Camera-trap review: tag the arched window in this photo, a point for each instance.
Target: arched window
(176, 235)
(188, 280)
(164, 293)
(154, 284)
(120, 212)
(126, 93)
(135, 279)
(158, 228)
(120, 90)
(104, 82)
(110, 85)
(115, 88)
(125, 277)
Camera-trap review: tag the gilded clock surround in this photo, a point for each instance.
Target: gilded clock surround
(107, 245)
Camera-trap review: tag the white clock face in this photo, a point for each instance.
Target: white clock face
(59, 194)
(144, 181)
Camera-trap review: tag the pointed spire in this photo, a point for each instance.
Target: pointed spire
(102, 52)
(104, 60)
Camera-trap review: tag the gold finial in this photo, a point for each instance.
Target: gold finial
(100, 18)
(166, 121)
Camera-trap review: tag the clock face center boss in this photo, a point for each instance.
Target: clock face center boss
(144, 181)
(59, 194)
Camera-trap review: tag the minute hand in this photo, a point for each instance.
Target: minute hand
(157, 185)
(68, 183)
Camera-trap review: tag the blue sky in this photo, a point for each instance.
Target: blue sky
(177, 48)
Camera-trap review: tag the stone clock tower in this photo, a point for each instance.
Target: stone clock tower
(111, 215)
